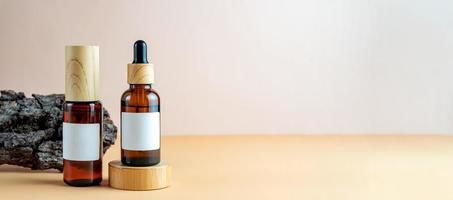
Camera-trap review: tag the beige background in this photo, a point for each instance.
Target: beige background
(235, 67)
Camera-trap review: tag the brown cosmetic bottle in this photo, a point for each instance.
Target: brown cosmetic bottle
(82, 120)
(140, 113)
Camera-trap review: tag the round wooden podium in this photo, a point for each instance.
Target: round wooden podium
(139, 178)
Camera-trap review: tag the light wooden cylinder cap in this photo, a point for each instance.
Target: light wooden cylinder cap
(139, 178)
(140, 73)
(82, 73)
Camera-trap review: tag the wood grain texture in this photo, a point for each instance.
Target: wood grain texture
(139, 178)
(272, 167)
(82, 73)
(140, 73)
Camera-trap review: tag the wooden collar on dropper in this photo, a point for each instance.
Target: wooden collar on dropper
(140, 71)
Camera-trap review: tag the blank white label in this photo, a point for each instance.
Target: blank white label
(81, 142)
(140, 131)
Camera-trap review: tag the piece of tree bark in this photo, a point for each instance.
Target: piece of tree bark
(31, 130)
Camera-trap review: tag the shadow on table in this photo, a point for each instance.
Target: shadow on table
(40, 177)
(33, 180)
(54, 181)
(19, 169)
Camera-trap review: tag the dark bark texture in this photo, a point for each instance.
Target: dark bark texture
(31, 130)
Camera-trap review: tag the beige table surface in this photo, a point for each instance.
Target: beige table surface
(273, 167)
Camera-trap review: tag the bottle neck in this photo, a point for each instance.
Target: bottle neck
(140, 86)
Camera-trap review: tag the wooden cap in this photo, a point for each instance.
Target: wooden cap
(139, 178)
(82, 73)
(140, 73)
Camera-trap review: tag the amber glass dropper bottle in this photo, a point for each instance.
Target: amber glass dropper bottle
(82, 118)
(140, 113)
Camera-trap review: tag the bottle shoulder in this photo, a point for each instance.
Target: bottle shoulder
(140, 97)
(90, 105)
(153, 93)
(126, 94)
(149, 93)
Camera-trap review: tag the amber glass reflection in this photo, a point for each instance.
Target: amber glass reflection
(83, 173)
(140, 98)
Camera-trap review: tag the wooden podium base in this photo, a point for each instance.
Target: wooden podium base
(139, 178)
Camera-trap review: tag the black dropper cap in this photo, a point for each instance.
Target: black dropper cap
(140, 52)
